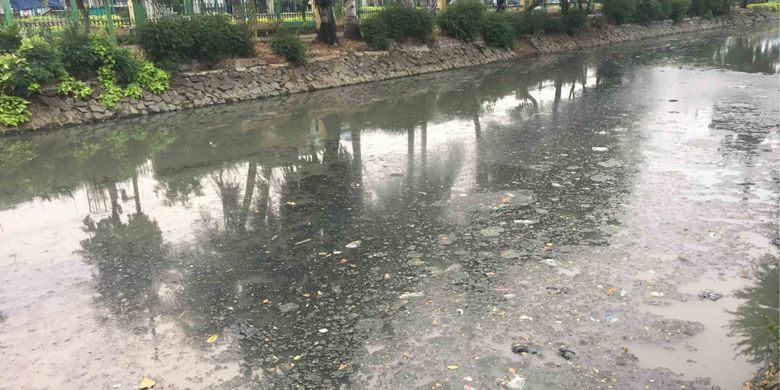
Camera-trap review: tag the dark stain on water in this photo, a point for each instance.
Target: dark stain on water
(406, 234)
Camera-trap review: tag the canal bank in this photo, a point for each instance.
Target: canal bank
(245, 81)
(406, 234)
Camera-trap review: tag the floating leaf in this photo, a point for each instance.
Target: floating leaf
(296, 358)
(353, 244)
(452, 367)
(212, 339)
(146, 383)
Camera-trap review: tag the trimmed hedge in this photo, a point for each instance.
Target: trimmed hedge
(458, 20)
(711, 7)
(404, 22)
(497, 30)
(170, 42)
(529, 22)
(374, 32)
(619, 11)
(289, 47)
(678, 9)
(574, 21)
(647, 11)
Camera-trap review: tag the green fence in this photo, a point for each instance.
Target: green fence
(104, 14)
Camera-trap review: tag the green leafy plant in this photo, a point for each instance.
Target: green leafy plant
(289, 47)
(13, 110)
(554, 25)
(497, 30)
(461, 20)
(619, 11)
(70, 86)
(374, 32)
(153, 79)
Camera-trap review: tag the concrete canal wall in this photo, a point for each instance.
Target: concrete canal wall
(246, 80)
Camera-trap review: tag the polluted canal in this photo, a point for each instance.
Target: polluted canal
(596, 220)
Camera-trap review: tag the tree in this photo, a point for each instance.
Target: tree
(327, 31)
(84, 15)
(352, 28)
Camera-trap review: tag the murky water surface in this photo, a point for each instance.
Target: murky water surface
(405, 234)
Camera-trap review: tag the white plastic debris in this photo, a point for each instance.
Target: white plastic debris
(599, 149)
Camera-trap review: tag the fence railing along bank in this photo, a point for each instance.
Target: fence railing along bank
(127, 14)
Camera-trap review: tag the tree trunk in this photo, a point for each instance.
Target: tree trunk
(533, 5)
(270, 6)
(433, 6)
(327, 32)
(84, 15)
(743, 4)
(564, 6)
(238, 11)
(352, 28)
(589, 6)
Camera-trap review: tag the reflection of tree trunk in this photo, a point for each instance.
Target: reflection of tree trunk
(332, 126)
(112, 193)
(357, 158)
(571, 91)
(327, 32)
(558, 86)
(251, 179)
(477, 126)
(352, 28)
(409, 157)
(136, 196)
(265, 191)
(423, 149)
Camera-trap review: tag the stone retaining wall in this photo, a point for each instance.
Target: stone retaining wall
(201, 89)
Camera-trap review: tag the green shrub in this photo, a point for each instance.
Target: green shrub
(10, 38)
(289, 47)
(711, 7)
(666, 9)
(77, 53)
(407, 23)
(647, 11)
(574, 21)
(619, 11)
(678, 9)
(126, 66)
(554, 25)
(529, 22)
(169, 42)
(497, 30)
(217, 37)
(374, 32)
(461, 20)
